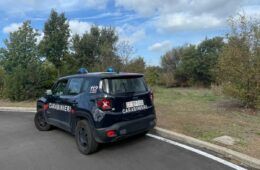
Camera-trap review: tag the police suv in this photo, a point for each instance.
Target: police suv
(97, 107)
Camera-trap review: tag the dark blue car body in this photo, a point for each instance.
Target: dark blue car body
(65, 109)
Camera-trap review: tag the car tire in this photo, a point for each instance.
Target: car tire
(144, 133)
(85, 140)
(40, 122)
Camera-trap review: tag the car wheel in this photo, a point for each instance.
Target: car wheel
(40, 122)
(144, 133)
(85, 140)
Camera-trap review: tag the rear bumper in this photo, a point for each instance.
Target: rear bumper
(126, 129)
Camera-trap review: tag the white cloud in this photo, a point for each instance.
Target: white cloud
(131, 33)
(184, 21)
(161, 46)
(251, 10)
(98, 4)
(12, 27)
(148, 7)
(39, 37)
(21, 6)
(79, 27)
(186, 15)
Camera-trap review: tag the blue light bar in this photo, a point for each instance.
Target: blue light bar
(82, 71)
(111, 70)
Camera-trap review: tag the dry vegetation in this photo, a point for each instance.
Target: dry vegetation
(7, 103)
(203, 114)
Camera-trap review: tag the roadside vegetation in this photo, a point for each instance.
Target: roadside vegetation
(206, 114)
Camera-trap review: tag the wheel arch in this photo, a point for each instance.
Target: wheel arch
(82, 115)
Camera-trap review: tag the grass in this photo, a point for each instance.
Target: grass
(204, 115)
(7, 103)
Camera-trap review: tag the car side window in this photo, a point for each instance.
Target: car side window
(86, 85)
(60, 88)
(74, 87)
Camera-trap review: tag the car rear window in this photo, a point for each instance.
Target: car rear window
(124, 85)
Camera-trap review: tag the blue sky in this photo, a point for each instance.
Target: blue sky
(151, 26)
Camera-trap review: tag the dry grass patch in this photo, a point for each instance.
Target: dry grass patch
(7, 103)
(205, 115)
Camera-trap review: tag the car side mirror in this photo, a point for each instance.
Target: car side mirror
(48, 92)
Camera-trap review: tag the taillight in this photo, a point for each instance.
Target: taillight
(104, 104)
(151, 96)
(111, 133)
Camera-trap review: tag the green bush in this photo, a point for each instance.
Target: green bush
(239, 63)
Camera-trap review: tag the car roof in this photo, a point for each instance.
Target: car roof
(103, 75)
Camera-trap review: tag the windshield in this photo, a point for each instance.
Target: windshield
(124, 85)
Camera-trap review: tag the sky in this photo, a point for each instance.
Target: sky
(152, 27)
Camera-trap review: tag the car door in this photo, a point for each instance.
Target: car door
(70, 99)
(54, 113)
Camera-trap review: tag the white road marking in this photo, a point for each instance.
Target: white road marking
(198, 152)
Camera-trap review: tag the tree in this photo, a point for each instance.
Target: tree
(125, 50)
(208, 53)
(96, 49)
(107, 46)
(239, 63)
(178, 65)
(152, 75)
(21, 48)
(54, 45)
(24, 76)
(191, 64)
(86, 48)
(136, 65)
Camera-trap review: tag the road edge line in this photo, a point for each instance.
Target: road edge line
(244, 159)
(197, 151)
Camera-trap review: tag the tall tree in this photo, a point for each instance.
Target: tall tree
(86, 48)
(24, 75)
(54, 45)
(208, 53)
(125, 50)
(136, 65)
(239, 63)
(107, 45)
(21, 48)
(96, 49)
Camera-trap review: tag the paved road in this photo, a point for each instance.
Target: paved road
(23, 147)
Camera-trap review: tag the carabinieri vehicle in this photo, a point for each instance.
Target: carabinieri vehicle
(97, 107)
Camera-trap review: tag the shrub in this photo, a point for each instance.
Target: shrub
(239, 63)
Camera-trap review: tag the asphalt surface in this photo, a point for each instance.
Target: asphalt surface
(25, 148)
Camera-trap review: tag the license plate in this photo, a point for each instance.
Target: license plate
(134, 103)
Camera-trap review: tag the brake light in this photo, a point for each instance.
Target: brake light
(111, 133)
(104, 104)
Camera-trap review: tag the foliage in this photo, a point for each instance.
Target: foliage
(136, 65)
(152, 75)
(191, 64)
(95, 50)
(239, 64)
(54, 45)
(24, 76)
(2, 75)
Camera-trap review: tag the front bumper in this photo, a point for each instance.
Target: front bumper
(126, 129)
